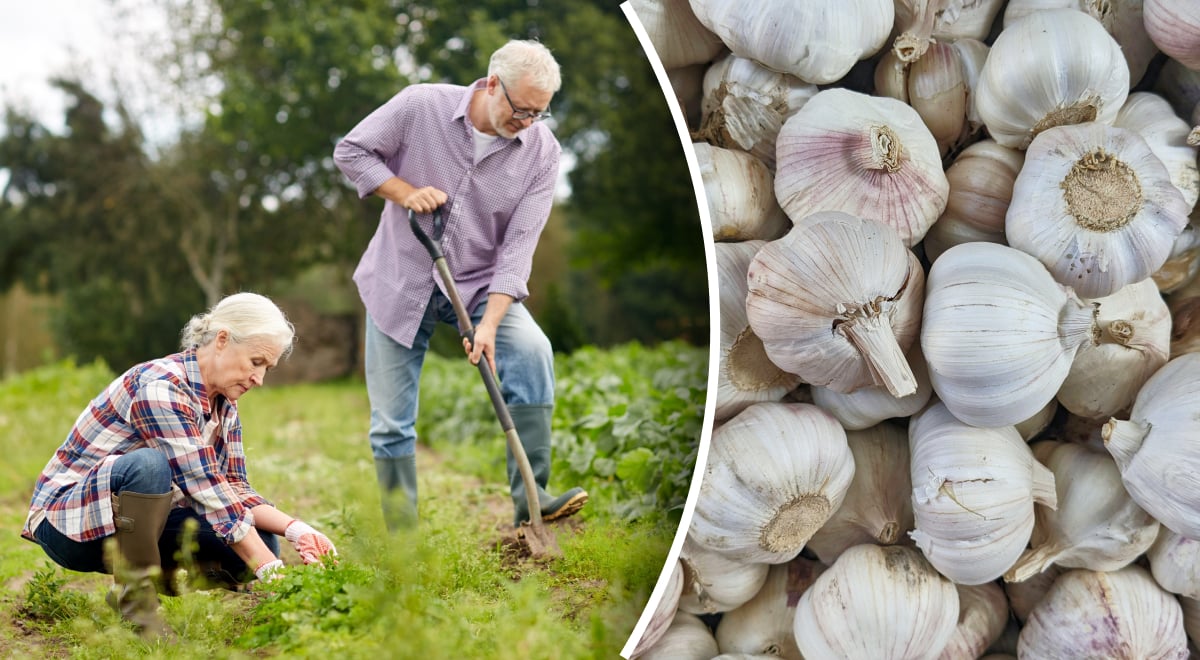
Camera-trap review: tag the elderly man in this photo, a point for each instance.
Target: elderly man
(480, 154)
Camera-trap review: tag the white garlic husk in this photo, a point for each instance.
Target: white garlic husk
(1095, 526)
(868, 156)
(664, 611)
(1174, 25)
(739, 190)
(878, 505)
(1156, 448)
(1175, 563)
(876, 602)
(998, 333)
(745, 374)
(817, 41)
(1135, 341)
(1120, 18)
(1122, 615)
(687, 638)
(982, 615)
(1051, 68)
(868, 406)
(981, 186)
(974, 491)
(763, 625)
(1152, 117)
(775, 473)
(1096, 206)
(714, 583)
(951, 19)
(745, 104)
(1025, 595)
(688, 85)
(836, 271)
(678, 38)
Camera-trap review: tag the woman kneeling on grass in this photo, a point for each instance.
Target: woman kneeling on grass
(160, 446)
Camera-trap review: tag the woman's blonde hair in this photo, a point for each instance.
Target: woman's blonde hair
(244, 316)
(519, 58)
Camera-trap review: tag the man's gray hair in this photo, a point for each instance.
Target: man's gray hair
(244, 316)
(519, 58)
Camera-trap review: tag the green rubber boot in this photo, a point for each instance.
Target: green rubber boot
(398, 490)
(533, 427)
(137, 571)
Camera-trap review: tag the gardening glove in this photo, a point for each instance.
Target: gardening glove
(269, 571)
(309, 543)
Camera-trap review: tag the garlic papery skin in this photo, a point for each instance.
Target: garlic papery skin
(678, 38)
(877, 602)
(940, 85)
(1175, 563)
(1174, 25)
(981, 185)
(1096, 206)
(775, 473)
(817, 41)
(714, 583)
(982, 615)
(1051, 68)
(878, 505)
(1096, 525)
(745, 374)
(868, 406)
(836, 271)
(998, 333)
(953, 19)
(745, 105)
(738, 188)
(764, 624)
(687, 638)
(1025, 595)
(1120, 18)
(1156, 449)
(868, 156)
(1152, 117)
(664, 612)
(1122, 615)
(973, 495)
(1135, 341)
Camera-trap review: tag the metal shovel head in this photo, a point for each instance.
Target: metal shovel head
(539, 540)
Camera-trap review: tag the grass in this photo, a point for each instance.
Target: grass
(453, 589)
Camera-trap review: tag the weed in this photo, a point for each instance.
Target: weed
(47, 601)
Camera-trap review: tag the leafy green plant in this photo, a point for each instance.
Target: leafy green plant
(47, 601)
(310, 600)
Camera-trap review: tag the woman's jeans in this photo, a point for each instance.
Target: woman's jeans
(147, 471)
(524, 361)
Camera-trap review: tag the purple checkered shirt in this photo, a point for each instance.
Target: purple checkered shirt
(161, 404)
(495, 212)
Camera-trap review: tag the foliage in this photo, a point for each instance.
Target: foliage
(46, 599)
(310, 601)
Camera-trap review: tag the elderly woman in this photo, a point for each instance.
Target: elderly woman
(160, 446)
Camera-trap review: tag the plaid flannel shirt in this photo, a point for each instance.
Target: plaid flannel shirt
(161, 404)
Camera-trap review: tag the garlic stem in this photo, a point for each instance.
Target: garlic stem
(1033, 562)
(1193, 138)
(1123, 438)
(885, 152)
(870, 330)
(1077, 324)
(916, 38)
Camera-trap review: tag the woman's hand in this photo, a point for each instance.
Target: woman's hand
(310, 544)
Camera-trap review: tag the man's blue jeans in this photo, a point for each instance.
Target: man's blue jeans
(524, 361)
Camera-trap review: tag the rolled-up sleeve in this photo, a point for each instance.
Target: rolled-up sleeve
(514, 259)
(363, 154)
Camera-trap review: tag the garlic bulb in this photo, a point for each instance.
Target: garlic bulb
(664, 611)
(868, 406)
(1135, 327)
(738, 188)
(951, 19)
(1175, 563)
(1120, 18)
(677, 36)
(998, 333)
(688, 84)
(1096, 206)
(878, 505)
(745, 374)
(775, 473)
(1156, 448)
(763, 625)
(982, 614)
(1185, 336)
(687, 638)
(1152, 117)
(1025, 595)
(745, 105)
(1095, 526)
(876, 602)
(1122, 615)
(1030, 428)
(981, 185)
(973, 494)
(1051, 68)
(868, 156)
(1181, 87)
(836, 271)
(817, 41)
(1174, 25)
(713, 583)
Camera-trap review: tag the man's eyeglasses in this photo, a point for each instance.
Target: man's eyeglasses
(521, 114)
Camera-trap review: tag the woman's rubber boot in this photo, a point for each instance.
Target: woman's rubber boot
(137, 571)
(398, 491)
(533, 427)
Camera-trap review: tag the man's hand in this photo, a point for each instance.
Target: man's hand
(485, 345)
(310, 544)
(424, 200)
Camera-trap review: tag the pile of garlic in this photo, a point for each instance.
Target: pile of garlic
(958, 406)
